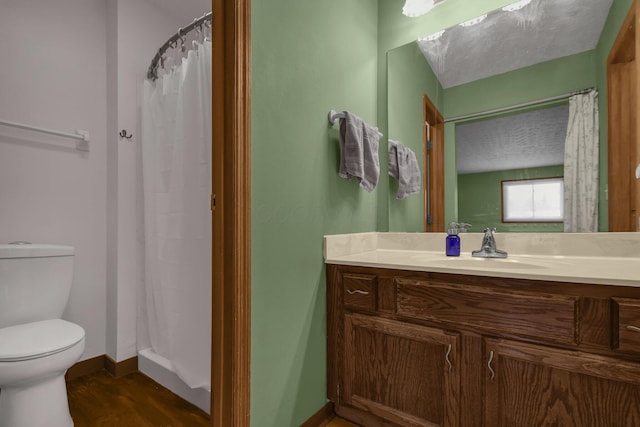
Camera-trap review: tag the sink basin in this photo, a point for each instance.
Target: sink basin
(478, 263)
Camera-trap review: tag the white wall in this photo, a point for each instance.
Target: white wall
(78, 64)
(54, 75)
(140, 29)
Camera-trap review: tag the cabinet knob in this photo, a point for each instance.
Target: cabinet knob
(357, 291)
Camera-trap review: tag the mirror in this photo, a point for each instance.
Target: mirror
(479, 75)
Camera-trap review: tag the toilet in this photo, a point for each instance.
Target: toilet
(36, 345)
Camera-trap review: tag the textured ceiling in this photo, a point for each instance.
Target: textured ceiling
(506, 41)
(518, 141)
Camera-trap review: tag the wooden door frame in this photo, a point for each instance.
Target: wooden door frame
(624, 151)
(231, 206)
(435, 180)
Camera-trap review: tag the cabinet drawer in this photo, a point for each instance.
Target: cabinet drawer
(543, 316)
(359, 292)
(626, 325)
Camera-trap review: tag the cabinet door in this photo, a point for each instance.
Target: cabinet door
(405, 374)
(530, 385)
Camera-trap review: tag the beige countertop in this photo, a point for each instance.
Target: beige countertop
(598, 258)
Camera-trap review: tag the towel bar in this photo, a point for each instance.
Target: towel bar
(333, 116)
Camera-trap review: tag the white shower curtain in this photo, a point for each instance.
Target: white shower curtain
(581, 170)
(176, 163)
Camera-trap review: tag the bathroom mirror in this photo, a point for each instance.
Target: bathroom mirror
(483, 70)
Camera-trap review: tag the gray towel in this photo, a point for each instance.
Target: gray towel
(359, 151)
(403, 166)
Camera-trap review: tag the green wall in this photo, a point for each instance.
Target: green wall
(308, 57)
(409, 76)
(481, 199)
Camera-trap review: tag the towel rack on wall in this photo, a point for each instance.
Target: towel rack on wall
(333, 116)
(81, 136)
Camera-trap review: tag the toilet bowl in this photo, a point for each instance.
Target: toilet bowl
(33, 360)
(36, 345)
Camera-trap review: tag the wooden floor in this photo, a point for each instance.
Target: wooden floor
(99, 400)
(339, 422)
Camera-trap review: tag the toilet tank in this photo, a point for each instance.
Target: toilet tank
(35, 281)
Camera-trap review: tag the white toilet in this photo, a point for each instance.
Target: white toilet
(36, 345)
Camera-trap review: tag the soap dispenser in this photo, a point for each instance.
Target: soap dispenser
(453, 240)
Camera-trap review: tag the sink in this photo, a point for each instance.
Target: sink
(478, 263)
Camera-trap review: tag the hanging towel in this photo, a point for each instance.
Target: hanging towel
(403, 166)
(359, 151)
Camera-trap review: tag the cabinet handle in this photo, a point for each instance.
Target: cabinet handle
(446, 357)
(493, 374)
(357, 291)
(633, 328)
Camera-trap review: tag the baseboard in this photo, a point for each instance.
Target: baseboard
(321, 417)
(95, 364)
(85, 367)
(122, 368)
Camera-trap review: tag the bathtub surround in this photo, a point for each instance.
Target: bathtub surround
(176, 156)
(162, 371)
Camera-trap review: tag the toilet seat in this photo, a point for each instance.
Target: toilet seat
(38, 339)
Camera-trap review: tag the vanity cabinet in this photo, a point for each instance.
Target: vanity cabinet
(409, 348)
(533, 385)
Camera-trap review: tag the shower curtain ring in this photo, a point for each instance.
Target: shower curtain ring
(123, 134)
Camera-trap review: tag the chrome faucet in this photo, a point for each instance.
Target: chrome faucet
(488, 249)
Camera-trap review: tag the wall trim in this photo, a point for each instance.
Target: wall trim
(122, 368)
(85, 367)
(321, 417)
(98, 363)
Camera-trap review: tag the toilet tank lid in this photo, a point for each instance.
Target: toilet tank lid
(34, 250)
(37, 339)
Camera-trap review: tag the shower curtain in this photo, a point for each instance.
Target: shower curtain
(176, 172)
(581, 170)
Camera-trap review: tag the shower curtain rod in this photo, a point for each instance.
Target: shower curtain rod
(152, 73)
(518, 106)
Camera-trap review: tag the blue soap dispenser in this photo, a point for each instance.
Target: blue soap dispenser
(453, 239)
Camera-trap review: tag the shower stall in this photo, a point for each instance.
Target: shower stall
(176, 184)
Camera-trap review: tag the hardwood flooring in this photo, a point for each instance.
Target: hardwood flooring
(339, 422)
(135, 400)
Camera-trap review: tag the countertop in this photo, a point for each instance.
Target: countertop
(593, 258)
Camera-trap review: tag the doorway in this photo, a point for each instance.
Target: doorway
(433, 161)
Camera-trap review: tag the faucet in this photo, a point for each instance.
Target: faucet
(488, 249)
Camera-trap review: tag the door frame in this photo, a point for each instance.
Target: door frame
(433, 162)
(623, 115)
(231, 214)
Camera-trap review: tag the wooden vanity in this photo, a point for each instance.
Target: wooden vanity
(424, 348)
(429, 349)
